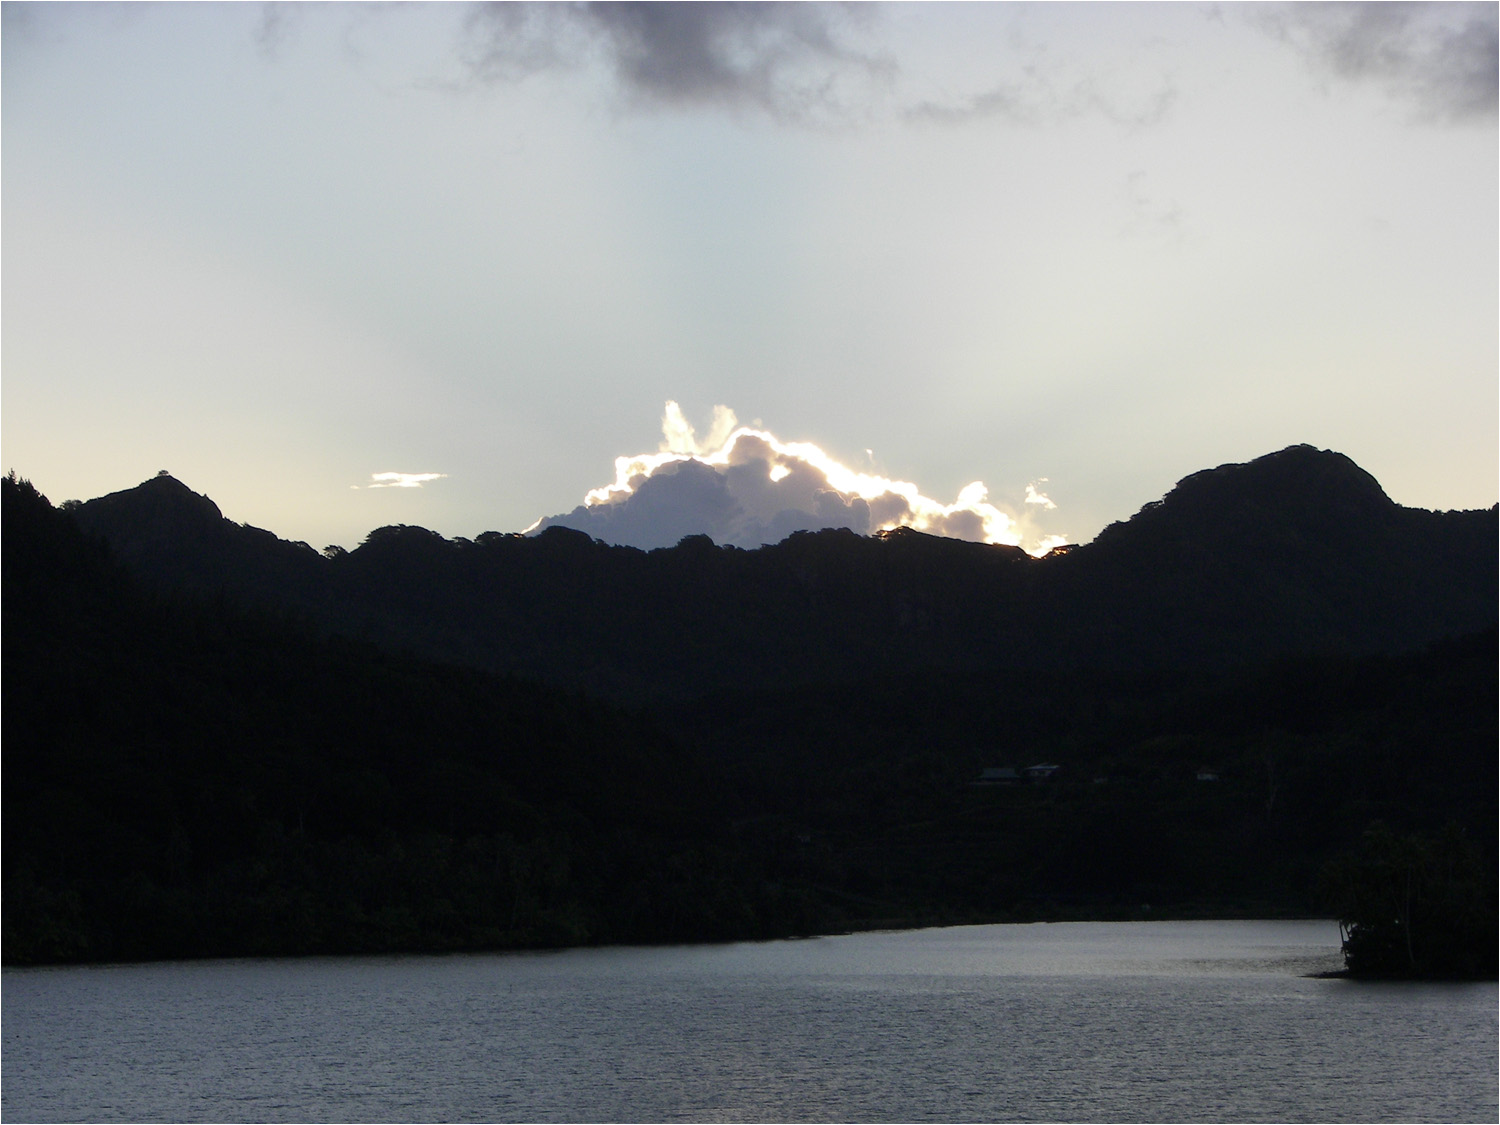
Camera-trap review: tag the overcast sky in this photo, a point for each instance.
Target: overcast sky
(280, 250)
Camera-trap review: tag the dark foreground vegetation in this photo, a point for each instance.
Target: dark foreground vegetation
(1415, 905)
(193, 773)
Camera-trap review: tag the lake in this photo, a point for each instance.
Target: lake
(1067, 1021)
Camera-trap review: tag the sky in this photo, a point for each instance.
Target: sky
(1021, 266)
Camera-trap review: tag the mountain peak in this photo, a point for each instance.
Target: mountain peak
(1297, 495)
(1296, 474)
(162, 502)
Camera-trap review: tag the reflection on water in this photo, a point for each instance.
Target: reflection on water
(1076, 1021)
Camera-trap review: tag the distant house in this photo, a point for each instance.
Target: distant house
(997, 775)
(1041, 772)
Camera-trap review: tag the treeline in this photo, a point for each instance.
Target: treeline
(187, 777)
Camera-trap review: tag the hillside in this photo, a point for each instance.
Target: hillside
(198, 761)
(184, 779)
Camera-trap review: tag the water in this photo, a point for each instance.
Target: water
(1077, 1022)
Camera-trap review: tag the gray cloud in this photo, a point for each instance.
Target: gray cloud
(1441, 57)
(788, 60)
(738, 505)
(272, 28)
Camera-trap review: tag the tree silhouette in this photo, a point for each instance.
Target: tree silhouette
(1415, 906)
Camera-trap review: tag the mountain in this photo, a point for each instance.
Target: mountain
(208, 765)
(178, 539)
(1296, 552)
(1300, 551)
(185, 779)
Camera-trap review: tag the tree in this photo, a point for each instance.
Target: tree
(1414, 906)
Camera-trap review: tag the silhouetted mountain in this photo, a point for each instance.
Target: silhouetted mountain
(188, 776)
(184, 779)
(178, 539)
(1296, 552)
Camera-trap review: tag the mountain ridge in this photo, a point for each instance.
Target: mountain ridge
(1300, 551)
(189, 777)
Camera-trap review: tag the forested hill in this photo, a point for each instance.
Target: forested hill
(1296, 552)
(185, 776)
(182, 779)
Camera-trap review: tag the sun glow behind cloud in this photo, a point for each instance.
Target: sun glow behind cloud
(762, 489)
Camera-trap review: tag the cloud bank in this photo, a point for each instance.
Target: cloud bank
(745, 487)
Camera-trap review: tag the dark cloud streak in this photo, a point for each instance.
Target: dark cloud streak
(1036, 101)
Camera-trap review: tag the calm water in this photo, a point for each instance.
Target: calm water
(1079, 1022)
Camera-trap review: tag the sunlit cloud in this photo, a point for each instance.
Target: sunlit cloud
(401, 480)
(1048, 543)
(744, 486)
(1034, 496)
